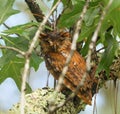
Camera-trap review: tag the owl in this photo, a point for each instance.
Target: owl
(55, 48)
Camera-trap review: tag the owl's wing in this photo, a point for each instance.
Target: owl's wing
(77, 68)
(76, 71)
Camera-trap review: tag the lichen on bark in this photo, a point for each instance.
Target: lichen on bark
(38, 103)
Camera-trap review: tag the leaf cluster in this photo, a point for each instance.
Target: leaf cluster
(11, 63)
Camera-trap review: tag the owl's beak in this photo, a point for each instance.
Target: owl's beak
(51, 43)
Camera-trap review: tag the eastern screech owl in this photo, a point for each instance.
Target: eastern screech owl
(55, 49)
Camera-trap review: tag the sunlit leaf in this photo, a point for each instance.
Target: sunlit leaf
(7, 57)
(6, 9)
(12, 69)
(11, 66)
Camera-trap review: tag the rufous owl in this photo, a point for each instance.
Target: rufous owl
(55, 48)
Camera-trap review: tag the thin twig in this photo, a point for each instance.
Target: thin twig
(14, 49)
(27, 57)
(6, 26)
(94, 37)
(100, 49)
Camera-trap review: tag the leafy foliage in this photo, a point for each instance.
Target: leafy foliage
(111, 45)
(11, 68)
(11, 63)
(111, 21)
(20, 36)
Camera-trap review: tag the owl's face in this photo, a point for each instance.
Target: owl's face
(53, 42)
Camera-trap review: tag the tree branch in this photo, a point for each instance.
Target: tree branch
(24, 76)
(27, 57)
(34, 8)
(14, 49)
(36, 11)
(94, 37)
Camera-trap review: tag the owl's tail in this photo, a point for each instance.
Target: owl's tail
(86, 91)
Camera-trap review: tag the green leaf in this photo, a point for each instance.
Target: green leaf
(70, 16)
(115, 17)
(84, 50)
(10, 60)
(11, 66)
(17, 42)
(86, 32)
(24, 30)
(90, 15)
(35, 61)
(112, 17)
(6, 9)
(114, 5)
(72, 13)
(111, 46)
(65, 2)
(74, 2)
(7, 56)
(12, 69)
(23, 35)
